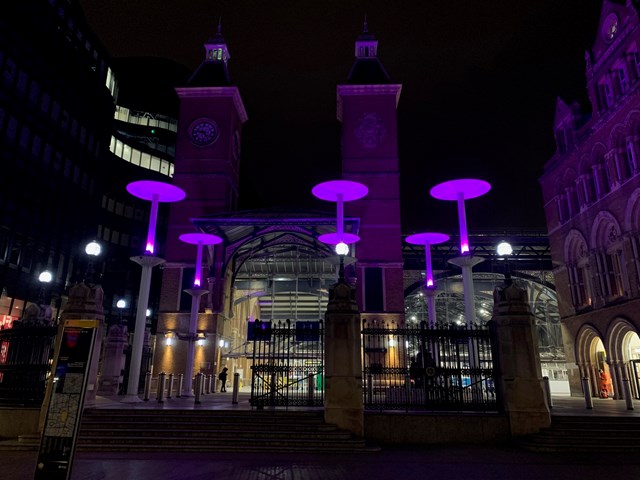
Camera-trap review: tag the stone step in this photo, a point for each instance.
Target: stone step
(586, 434)
(191, 431)
(212, 434)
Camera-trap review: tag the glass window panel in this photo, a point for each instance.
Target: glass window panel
(119, 148)
(164, 167)
(155, 164)
(145, 160)
(126, 152)
(135, 156)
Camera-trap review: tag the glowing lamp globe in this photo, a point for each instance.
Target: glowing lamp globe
(45, 277)
(93, 248)
(342, 248)
(121, 303)
(504, 248)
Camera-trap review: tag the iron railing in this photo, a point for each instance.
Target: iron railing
(446, 367)
(288, 362)
(26, 354)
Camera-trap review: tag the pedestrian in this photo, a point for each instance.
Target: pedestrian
(223, 379)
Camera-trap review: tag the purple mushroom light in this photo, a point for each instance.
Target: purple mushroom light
(340, 191)
(427, 239)
(200, 240)
(155, 192)
(461, 190)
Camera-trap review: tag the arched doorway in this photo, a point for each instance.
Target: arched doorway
(624, 345)
(591, 358)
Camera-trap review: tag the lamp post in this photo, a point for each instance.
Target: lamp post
(199, 239)
(504, 249)
(155, 192)
(459, 191)
(427, 239)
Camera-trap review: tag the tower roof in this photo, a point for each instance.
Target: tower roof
(367, 68)
(213, 71)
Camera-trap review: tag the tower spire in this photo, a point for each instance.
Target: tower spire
(219, 32)
(365, 28)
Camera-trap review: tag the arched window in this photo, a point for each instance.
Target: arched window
(577, 263)
(610, 274)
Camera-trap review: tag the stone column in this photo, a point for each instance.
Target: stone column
(343, 405)
(517, 360)
(113, 359)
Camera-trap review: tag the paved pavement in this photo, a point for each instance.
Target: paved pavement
(501, 462)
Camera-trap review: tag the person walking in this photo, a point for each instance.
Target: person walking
(223, 379)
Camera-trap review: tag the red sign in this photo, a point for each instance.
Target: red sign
(6, 321)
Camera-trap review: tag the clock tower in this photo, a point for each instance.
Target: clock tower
(207, 168)
(367, 106)
(207, 164)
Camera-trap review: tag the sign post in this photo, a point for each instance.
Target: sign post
(67, 399)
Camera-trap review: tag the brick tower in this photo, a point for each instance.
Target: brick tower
(367, 109)
(207, 168)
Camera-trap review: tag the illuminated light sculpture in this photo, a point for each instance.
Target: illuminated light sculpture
(459, 191)
(427, 239)
(339, 191)
(155, 192)
(199, 239)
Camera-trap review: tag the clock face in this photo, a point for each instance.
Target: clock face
(203, 132)
(610, 27)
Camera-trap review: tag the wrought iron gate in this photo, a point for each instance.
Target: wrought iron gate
(287, 363)
(448, 367)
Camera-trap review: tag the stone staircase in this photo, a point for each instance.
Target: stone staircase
(138, 430)
(586, 434)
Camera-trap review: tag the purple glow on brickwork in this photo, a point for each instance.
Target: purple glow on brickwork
(155, 192)
(427, 239)
(339, 191)
(199, 239)
(461, 190)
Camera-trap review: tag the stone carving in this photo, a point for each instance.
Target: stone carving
(509, 299)
(370, 130)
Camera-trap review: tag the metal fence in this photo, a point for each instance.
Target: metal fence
(288, 362)
(447, 367)
(25, 360)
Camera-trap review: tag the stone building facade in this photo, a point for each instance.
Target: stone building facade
(591, 190)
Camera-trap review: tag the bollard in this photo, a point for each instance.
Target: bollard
(198, 387)
(214, 383)
(236, 387)
(147, 386)
(180, 385)
(586, 388)
(370, 389)
(207, 384)
(170, 386)
(547, 391)
(311, 386)
(627, 393)
(161, 382)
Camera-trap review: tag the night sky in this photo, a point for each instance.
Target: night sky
(480, 79)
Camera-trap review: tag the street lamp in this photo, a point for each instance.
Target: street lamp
(504, 249)
(93, 251)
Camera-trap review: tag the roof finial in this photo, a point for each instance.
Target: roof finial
(366, 26)
(219, 32)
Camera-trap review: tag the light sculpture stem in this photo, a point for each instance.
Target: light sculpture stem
(197, 280)
(340, 216)
(462, 218)
(153, 220)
